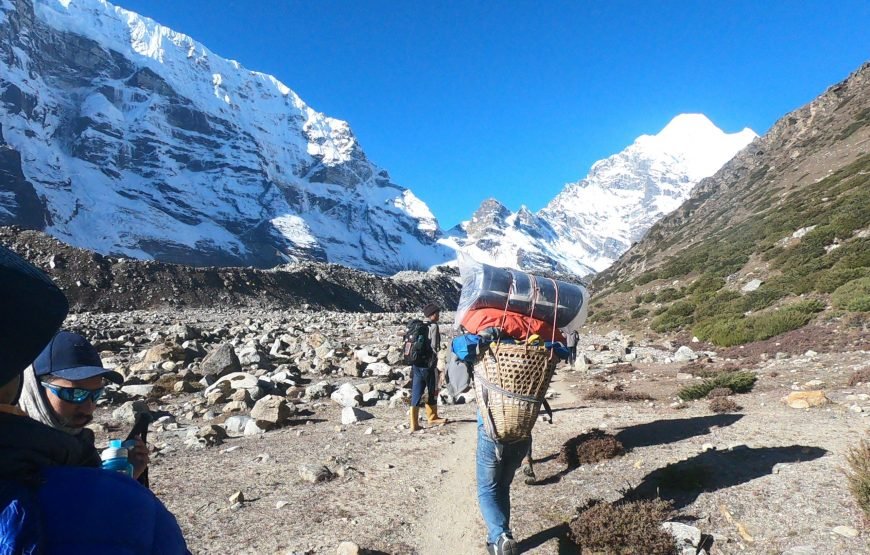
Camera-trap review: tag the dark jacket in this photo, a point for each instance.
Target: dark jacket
(49, 505)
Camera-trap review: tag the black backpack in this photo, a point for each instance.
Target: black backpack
(416, 348)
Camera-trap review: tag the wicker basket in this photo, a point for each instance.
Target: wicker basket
(510, 382)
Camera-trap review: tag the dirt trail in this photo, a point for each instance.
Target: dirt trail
(452, 522)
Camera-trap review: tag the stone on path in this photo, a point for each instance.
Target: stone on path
(348, 548)
(845, 531)
(806, 399)
(272, 411)
(352, 415)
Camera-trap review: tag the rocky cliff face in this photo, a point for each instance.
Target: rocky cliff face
(593, 221)
(124, 137)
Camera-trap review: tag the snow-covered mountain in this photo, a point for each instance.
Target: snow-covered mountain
(593, 221)
(125, 137)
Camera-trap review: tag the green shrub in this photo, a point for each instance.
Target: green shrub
(669, 294)
(624, 287)
(706, 285)
(646, 277)
(602, 316)
(639, 313)
(676, 316)
(660, 310)
(829, 280)
(762, 297)
(649, 297)
(737, 382)
(853, 296)
(731, 329)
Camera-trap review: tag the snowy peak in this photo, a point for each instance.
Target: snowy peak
(128, 138)
(593, 221)
(695, 142)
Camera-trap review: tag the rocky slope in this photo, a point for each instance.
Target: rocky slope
(593, 221)
(788, 219)
(127, 138)
(95, 282)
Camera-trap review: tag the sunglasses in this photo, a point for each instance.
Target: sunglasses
(75, 395)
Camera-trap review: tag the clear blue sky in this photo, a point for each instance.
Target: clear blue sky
(463, 100)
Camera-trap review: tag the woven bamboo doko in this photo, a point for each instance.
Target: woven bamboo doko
(510, 382)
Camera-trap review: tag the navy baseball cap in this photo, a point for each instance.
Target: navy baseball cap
(71, 357)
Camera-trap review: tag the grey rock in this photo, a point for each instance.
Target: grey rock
(352, 415)
(751, 285)
(686, 536)
(347, 395)
(319, 390)
(129, 411)
(272, 411)
(685, 354)
(236, 424)
(221, 361)
(315, 473)
(143, 390)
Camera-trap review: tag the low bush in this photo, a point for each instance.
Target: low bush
(737, 382)
(858, 475)
(731, 330)
(831, 280)
(675, 317)
(603, 394)
(625, 528)
(639, 313)
(669, 294)
(861, 376)
(853, 296)
(588, 448)
(721, 405)
(719, 392)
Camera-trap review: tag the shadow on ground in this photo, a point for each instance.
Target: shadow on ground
(558, 532)
(661, 432)
(682, 482)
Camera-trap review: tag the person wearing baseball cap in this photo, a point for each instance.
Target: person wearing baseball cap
(50, 501)
(62, 386)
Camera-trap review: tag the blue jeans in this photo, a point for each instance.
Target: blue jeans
(496, 465)
(423, 378)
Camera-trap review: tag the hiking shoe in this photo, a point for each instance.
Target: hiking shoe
(529, 473)
(504, 545)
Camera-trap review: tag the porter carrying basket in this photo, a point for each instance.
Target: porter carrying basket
(510, 381)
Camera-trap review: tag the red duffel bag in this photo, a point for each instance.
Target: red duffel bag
(518, 326)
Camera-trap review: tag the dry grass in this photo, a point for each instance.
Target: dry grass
(858, 475)
(604, 394)
(861, 376)
(588, 448)
(625, 528)
(721, 405)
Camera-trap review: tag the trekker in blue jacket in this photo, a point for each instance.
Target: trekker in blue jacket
(50, 501)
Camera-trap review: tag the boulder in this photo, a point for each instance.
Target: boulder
(212, 434)
(806, 399)
(236, 424)
(319, 390)
(347, 395)
(751, 285)
(352, 415)
(685, 354)
(129, 411)
(236, 380)
(272, 411)
(378, 369)
(220, 362)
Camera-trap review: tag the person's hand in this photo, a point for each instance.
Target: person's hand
(139, 458)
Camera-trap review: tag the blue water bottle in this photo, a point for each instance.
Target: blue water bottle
(114, 457)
